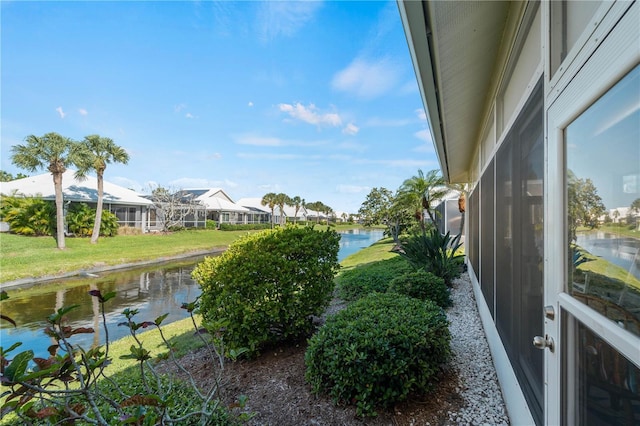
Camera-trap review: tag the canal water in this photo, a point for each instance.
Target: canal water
(619, 250)
(153, 290)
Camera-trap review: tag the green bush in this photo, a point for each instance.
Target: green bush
(242, 227)
(377, 351)
(266, 286)
(422, 285)
(80, 219)
(435, 253)
(28, 216)
(371, 277)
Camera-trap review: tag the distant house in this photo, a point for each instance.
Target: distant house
(258, 212)
(130, 207)
(219, 206)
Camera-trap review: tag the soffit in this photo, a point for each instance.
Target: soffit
(463, 39)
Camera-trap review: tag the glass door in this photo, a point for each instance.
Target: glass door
(593, 285)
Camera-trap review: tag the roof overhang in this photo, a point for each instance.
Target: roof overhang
(454, 46)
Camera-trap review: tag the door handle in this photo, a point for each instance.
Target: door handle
(544, 342)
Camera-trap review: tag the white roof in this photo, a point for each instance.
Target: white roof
(255, 203)
(216, 199)
(73, 189)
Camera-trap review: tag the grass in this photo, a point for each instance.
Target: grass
(24, 257)
(620, 230)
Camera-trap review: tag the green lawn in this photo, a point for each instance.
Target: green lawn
(27, 257)
(24, 257)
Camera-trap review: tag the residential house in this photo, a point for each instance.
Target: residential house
(129, 206)
(526, 102)
(219, 206)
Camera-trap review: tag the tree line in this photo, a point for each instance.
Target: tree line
(272, 200)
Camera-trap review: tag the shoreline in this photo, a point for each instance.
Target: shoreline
(105, 268)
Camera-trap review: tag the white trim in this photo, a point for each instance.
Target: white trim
(609, 52)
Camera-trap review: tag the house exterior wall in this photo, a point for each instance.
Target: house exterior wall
(553, 68)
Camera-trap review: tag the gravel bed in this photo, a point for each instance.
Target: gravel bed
(483, 401)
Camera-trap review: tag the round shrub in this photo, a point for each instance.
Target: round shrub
(266, 286)
(371, 277)
(422, 285)
(378, 350)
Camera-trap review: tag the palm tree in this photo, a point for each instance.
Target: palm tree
(418, 192)
(328, 211)
(297, 203)
(269, 200)
(53, 152)
(317, 207)
(94, 153)
(281, 200)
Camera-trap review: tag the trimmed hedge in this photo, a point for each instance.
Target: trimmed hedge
(379, 350)
(372, 277)
(266, 286)
(422, 285)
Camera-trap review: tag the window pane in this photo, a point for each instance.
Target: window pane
(603, 203)
(604, 381)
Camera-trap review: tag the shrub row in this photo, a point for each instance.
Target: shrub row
(379, 350)
(243, 227)
(37, 217)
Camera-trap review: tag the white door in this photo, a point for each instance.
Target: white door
(592, 239)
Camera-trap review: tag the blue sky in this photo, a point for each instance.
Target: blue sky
(315, 99)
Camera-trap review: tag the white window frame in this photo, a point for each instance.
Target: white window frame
(609, 52)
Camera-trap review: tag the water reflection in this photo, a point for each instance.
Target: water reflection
(153, 290)
(619, 250)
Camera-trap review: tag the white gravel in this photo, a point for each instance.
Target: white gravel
(483, 402)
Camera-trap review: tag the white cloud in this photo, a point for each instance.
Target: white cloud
(367, 79)
(188, 115)
(83, 111)
(351, 129)
(179, 107)
(352, 189)
(256, 140)
(310, 114)
(250, 104)
(422, 115)
(61, 112)
(284, 18)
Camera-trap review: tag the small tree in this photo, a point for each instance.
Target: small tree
(382, 207)
(420, 192)
(174, 207)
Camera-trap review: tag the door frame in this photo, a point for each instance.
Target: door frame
(610, 53)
